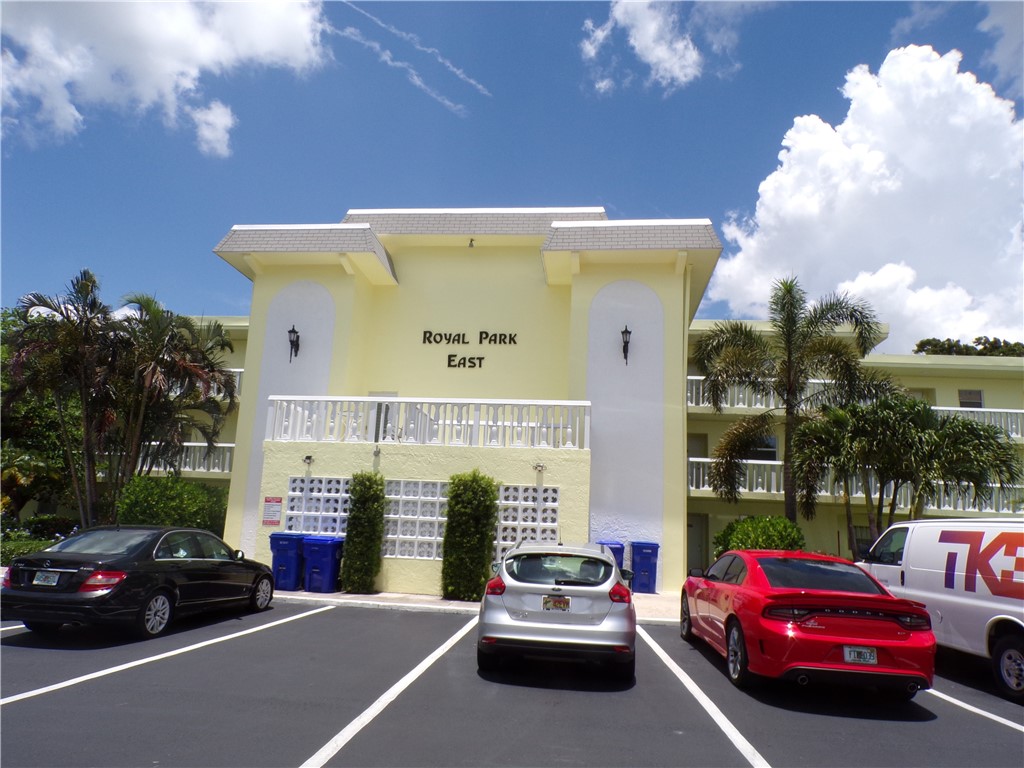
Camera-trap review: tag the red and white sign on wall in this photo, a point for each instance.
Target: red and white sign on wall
(271, 510)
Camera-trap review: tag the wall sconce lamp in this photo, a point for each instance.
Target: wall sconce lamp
(293, 343)
(471, 242)
(308, 460)
(626, 333)
(539, 467)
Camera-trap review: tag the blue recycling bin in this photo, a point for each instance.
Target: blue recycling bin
(618, 550)
(645, 566)
(287, 563)
(322, 555)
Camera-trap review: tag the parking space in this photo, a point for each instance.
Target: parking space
(347, 686)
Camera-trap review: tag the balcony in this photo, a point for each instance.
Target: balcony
(195, 459)
(554, 424)
(742, 398)
(764, 479)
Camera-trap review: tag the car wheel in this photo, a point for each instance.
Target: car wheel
(736, 656)
(262, 594)
(685, 623)
(1008, 666)
(487, 662)
(42, 627)
(154, 615)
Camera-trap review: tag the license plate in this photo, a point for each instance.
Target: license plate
(556, 603)
(855, 654)
(45, 578)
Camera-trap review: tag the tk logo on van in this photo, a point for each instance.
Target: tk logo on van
(979, 562)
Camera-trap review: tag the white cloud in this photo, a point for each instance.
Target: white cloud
(1005, 21)
(913, 202)
(213, 128)
(654, 37)
(62, 60)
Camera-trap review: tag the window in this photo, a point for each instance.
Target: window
(719, 568)
(562, 570)
(800, 573)
(971, 398)
(766, 451)
(214, 548)
(889, 549)
(737, 572)
(179, 545)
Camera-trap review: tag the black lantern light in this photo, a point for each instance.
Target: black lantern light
(293, 343)
(626, 333)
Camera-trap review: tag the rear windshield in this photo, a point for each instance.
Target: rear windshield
(795, 573)
(105, 542)
(564, 570)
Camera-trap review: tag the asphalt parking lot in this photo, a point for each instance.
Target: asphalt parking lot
(315, 684)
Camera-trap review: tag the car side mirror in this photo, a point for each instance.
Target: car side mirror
(627, 575)
(698, 572)
(494, 567)
(239, 554)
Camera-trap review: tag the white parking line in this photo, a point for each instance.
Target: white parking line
(975, 710)
(158, 657)
(732, 733)
(332, 747)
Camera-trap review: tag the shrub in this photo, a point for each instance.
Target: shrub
(759, 533)
(50, 527)
(173, 501)
(469, 535)
(15, 546)
(364, 536)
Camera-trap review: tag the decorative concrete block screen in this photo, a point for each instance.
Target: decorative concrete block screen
(417, 512)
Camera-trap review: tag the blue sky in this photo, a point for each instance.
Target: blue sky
(869, 147)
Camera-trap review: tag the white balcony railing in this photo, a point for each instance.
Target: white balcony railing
(1010, 421)
(196, 459)
(556, 424)
(765, 477)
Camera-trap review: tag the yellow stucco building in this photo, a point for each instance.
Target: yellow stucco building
(546, 347)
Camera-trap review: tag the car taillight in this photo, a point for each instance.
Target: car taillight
(495, 586)
(7, 579)
(101, 580)
(914, 621)
(620, 593)
(786, 613)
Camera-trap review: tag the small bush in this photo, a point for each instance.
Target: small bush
(15, 546)
(759, 533)
(50, 526)
(469, 536)
(173, 501)
(364, 536)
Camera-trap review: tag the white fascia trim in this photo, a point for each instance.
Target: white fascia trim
(636, 223)
(374, 211)
(299, 226)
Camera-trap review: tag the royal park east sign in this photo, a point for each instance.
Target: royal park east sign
(463, 338)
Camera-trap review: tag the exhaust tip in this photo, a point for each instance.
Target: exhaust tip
(802, 680)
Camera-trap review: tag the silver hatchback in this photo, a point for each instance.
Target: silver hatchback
(558, 601)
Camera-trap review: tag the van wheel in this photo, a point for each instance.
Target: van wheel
(1008, 666)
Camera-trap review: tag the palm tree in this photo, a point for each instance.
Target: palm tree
(62, 347)
(173, 382)
(803, 346)
(141, 385)
(899, 441)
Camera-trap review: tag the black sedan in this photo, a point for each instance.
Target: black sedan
(138, 576)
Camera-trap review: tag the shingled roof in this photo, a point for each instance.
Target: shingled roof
(304, 238)
(469, 221)
(670, 234)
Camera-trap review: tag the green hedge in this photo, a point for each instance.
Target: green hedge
(173, 501)
(774, 532)
(469, 535)
(11, 547)
(364, 535)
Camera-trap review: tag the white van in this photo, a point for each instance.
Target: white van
(970, 575)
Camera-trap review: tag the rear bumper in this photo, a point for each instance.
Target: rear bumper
(61, 609)
(501, 646)
(910, 681)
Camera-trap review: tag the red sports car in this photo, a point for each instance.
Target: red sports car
(803, 617)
